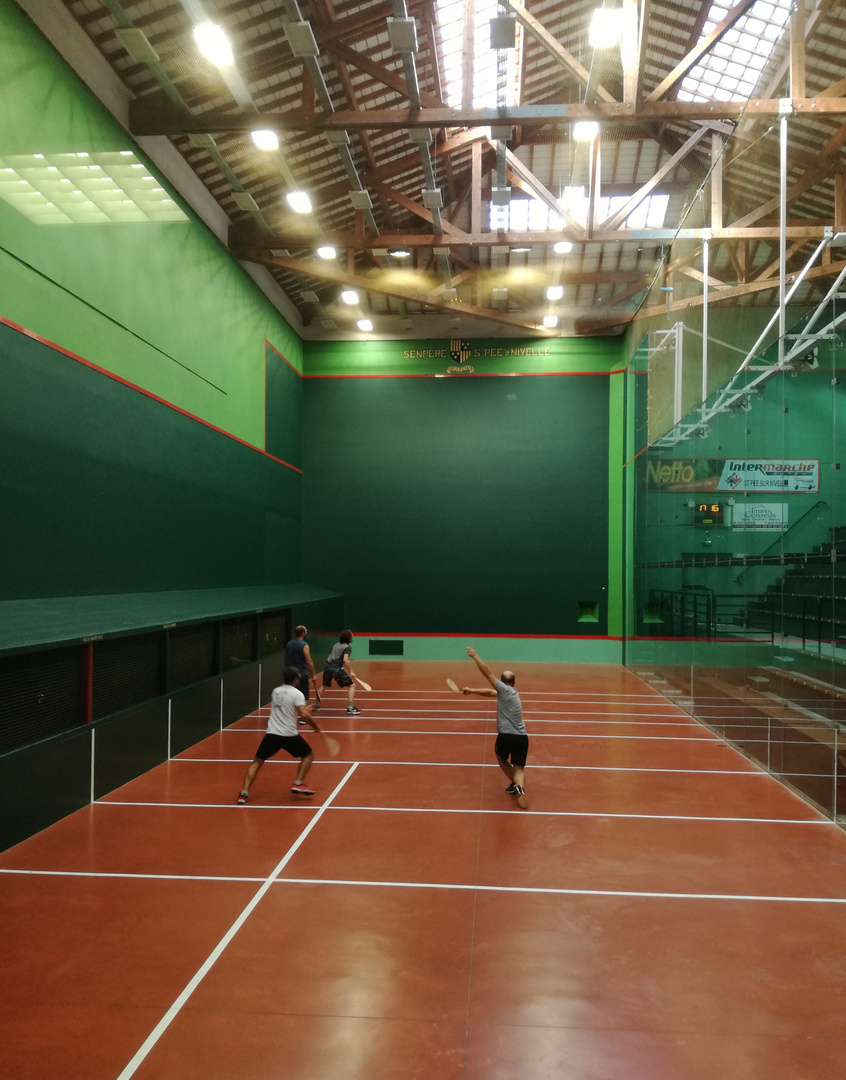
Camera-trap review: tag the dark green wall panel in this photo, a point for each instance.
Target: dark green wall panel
(459, 505)
(283, 409)
(194, 715)
(128, 745)
(110, 491)
(240, 693)
(272, 668)
(43, 783)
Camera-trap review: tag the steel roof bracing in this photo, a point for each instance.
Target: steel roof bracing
(687, 106)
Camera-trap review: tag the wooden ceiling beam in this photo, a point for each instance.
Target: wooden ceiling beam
(700, 49)
(154, 114)
(392, 79)
(593, 324)
(826, 162)
(457, 239)
(389, 287)
(557, 51)
(643, 192)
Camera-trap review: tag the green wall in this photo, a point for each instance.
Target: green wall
(459, 504)
(163, 305)
(107, 490)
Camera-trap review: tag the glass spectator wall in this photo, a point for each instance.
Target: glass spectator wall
(738, 513)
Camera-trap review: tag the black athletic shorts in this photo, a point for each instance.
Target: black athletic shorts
(271, 744)
(338, 674)
(515, 747)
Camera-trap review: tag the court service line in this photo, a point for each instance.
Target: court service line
(127, 874)
(483, 714)
(754, 770)
(682, 720)
(532, 734)
(531, 890)
(475, 810)
(175, 1008)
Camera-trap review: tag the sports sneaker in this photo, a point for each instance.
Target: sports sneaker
(353, 711)
(316, 707)
(242, 798)
(511, 789)
(522, 799)
(301, 789)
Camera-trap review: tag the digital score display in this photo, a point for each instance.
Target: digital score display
(708, 513)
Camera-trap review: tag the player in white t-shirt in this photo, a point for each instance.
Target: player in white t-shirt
(288, 705)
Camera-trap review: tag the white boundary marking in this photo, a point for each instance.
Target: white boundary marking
(753, 770)
(477, 810)
(534, 735)
(175, 1008)
(125, 874)
(468, 887)
(633, 893)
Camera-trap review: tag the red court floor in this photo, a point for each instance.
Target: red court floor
(663, 910)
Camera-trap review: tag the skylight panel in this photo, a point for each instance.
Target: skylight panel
(451, 22)
(738, 59)
(649, 214)
(526, 215)
(74, 188)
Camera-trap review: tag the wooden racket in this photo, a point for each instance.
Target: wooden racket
(453, 685)
(363, 684)
(332, 745)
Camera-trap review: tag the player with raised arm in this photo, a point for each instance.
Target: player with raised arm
(512, 742)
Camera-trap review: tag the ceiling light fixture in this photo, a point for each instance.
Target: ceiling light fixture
(299, 202)
(365, 325)
(550, 321)
(265, 139)
(585, 130)
(605, 28)
(326, 251)
(555, 292)
(349, 296)
(520, 249)
(563, 247)
(401, 253)
(214, 44)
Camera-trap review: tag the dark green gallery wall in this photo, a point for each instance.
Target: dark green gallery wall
(459, 504)
(106, 490)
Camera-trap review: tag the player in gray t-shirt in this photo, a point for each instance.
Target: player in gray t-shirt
(511, 738)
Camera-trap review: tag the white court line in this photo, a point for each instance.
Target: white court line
(383, 690)
(756, 770)
(632, 893)
(175, 1008)
(520, 889)
(478, 810)
(399, 714)
(490, 734)
(385, 706)
(116, 874)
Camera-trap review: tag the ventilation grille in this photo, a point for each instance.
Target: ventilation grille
(127, 671)
(385, 647)
(237, 642)
(39, 695)
(191, 655)
(274, 632)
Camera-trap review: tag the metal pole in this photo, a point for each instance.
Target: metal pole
(782, 238)
(705, 252)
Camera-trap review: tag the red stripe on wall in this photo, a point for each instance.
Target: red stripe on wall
(474, 375)
(140, 389)
(468, 634)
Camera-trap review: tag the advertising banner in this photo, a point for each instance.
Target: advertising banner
(759, 516)
(794, 475)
